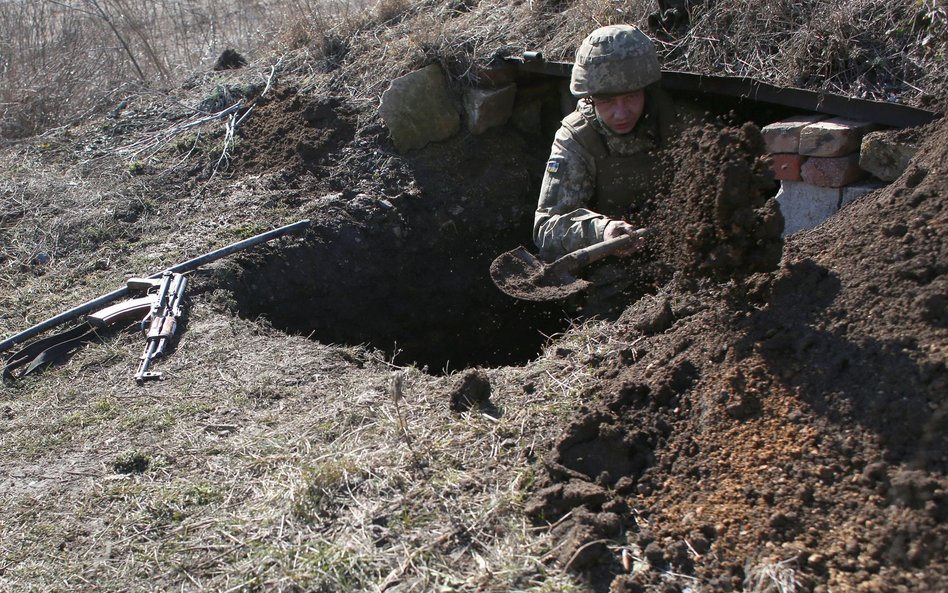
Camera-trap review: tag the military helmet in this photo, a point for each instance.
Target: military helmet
(614, 60)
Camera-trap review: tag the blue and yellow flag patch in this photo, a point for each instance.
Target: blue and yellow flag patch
(553, 167)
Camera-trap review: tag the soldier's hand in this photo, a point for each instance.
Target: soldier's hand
(619, 228)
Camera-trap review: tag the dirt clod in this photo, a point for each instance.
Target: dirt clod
(473, 390)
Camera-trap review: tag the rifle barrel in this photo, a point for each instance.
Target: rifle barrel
(191, 264)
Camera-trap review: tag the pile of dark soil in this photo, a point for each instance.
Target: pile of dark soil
(782, 431)
(718, 219)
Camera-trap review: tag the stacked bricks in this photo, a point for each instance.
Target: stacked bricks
(816, 160)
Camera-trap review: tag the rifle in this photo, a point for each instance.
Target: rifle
(158, 306)
(160, 324)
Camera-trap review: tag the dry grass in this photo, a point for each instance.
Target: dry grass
(250, 476)
(64, 60)
(878, 49)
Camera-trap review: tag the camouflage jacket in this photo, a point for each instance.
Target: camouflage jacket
(567, 217)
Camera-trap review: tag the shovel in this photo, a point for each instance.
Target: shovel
(521, 275)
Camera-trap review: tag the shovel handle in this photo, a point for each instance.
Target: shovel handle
(587, 255)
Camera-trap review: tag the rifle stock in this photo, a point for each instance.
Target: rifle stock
(126, 310)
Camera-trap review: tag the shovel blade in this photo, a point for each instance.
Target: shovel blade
(519, 274)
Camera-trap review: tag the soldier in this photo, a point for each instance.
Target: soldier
(604, 165)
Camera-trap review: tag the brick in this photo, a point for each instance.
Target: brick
(884, 156)
(831, 171)
(858, 190)
(786, 167)
(833, 137)
(784, 135)
(804, 206)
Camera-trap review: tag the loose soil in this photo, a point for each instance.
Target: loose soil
(786, 427)
(523, 276)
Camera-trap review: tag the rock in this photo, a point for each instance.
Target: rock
(418, 109)
(473, 389)
(884, 156)
(488, 108)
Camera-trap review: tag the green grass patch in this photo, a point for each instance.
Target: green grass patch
(320, 484)
(178, 501)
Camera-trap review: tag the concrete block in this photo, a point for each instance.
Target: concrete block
(488, 108)
(884, 156)
(786, 167)
(833, 137)
(417, 109)
(804, 206)
(831, 171)
(858, 190)
(784, 135)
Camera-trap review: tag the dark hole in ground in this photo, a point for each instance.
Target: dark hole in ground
(421, 304)
(409, 273)
(432, 311)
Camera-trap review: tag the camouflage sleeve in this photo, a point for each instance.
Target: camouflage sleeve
(562, 223)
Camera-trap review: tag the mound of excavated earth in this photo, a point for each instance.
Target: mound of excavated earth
(780, 432)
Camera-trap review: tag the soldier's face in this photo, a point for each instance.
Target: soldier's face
(621, 112)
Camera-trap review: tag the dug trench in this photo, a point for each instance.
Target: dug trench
(399, 250)
(776, 415)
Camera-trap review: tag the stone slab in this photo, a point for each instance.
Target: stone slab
(804, 206)
(833, 137)
(784, 136)
(858, 190)
(488, 108)
(418, 109)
